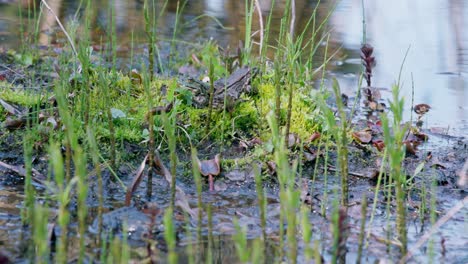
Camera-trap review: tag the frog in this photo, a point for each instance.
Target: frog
(231, 88)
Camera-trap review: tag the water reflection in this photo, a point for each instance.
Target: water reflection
(436, 34)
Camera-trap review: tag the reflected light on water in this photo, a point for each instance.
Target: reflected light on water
(437, 37)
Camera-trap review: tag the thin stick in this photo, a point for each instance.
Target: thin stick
(293, 19)
(356, 174)
(260, 20)
(455, 209)
(61, 27)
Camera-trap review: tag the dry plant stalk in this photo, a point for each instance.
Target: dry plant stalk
(61, 27)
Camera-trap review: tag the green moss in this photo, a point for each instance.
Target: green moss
(116, 92)
(304, 117)
(18, 95)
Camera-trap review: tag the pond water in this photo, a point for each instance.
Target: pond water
(433, 32)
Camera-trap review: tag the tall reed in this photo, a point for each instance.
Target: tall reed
(169, 123)
(28, 143)
(198, 185)
(150, 122)
(169, 235)
(97, 166)
(396, 154)
(262, 204)
(40, 238)
(289, 195)
(240, 242)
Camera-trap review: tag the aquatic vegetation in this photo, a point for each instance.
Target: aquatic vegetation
(98, 130)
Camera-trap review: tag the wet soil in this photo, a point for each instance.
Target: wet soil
(235, 197)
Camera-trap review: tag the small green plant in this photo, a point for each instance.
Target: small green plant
(262, 203)
(169, 235)
(198, 184)
(240, 240)
(41, 217)
(340, 133)
(362, 228)
(169, 124)
(396, 154)
(307, 234)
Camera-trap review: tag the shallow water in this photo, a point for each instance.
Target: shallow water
(434, 31)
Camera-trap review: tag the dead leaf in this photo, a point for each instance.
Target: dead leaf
(363, 136)
(256, 141)
(411, 147)
(11, 109)
(421, 109)
(375, 127)
(271, 165)
(210, 168)
(379, 144)
(160, 109)
(136, 181)
(315, 136)
(14, 124)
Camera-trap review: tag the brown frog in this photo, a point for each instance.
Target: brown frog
(230, 88)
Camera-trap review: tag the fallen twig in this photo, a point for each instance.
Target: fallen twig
(136, 181)
(356, 174)
(455, 209)
(181, 197)
(260, 21)
(37, 176)
(61, 27)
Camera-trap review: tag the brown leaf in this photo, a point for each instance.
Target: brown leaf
(363, 136)
(195, 59)
(210, 167)
(136, 181)
(411, 147)
(421, 109)
(375, 127)
(13, 124)
(367, 50)
(160, 109)
(271, 165)
(379, 144)
(315, 136)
